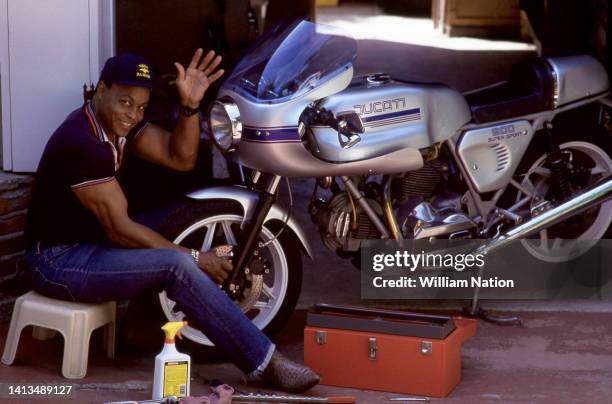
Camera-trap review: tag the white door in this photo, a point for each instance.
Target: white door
(53, 48)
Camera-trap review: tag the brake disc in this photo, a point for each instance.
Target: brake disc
(252, 293)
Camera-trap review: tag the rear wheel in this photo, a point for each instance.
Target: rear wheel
(268, 299)
(588, 161)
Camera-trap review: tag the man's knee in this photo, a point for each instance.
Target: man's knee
(180, 261)
(183, 266)
(184, 269)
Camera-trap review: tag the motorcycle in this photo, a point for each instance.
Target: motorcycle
(393, 160)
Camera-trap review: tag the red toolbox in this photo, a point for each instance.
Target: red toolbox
(385, 350)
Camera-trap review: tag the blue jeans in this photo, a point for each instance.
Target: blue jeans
(98, 273)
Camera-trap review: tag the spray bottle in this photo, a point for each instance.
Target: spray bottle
(172, 368)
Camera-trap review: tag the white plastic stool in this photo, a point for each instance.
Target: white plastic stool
(75, 321)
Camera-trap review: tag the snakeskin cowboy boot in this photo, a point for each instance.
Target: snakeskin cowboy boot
(288, 375)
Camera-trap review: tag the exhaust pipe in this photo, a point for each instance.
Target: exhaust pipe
(591, 197)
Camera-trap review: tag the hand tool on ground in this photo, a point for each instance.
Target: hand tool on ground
(273, 398)
(167, 400)
(426, 399)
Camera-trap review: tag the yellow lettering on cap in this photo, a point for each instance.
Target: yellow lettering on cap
(143, 71)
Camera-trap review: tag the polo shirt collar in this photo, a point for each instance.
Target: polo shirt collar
(99, 132)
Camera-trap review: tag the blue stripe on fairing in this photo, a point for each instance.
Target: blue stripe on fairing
(393, 115)
(286, 134)
(400, 118)
(393, 121)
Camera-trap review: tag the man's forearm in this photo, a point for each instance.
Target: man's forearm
(185, 140)
(191, 84)
(134, 235)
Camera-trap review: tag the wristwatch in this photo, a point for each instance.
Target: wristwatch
(186, 111)
(195, 254)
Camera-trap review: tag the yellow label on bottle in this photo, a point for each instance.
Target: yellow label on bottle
(175, 379)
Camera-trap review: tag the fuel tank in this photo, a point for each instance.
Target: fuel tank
(396, 115)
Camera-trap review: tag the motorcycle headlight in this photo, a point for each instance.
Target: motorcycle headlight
(225, 124)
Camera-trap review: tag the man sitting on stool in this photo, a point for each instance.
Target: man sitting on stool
(83, 246)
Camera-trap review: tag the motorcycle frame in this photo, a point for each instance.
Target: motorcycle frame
(249, 199)
(537, 122)
(259, 206)
(482, 206)
(291, 157)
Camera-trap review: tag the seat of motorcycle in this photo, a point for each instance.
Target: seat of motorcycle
(529, 89)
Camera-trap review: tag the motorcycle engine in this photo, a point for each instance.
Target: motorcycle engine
(421, 208)
(419, 183)
(342, 229)
(424, 210)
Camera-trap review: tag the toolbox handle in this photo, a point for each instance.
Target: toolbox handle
(389, 314)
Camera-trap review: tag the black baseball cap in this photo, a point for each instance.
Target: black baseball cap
(128, 69)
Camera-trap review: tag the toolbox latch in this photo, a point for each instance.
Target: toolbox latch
(426, 347)
(372, 349)
(321, 337)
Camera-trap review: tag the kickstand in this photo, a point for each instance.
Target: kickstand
(476, 311)
(491, 318)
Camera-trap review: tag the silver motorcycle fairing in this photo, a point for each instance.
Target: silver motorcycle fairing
(248, 200)
(396, 115)
(491, 155)
(294, 160)
(271, 142)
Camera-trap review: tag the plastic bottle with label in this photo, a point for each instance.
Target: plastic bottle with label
(172, 368)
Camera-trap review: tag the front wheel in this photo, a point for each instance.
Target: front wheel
(268, 299)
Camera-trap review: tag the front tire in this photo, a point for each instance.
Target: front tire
(269, 299)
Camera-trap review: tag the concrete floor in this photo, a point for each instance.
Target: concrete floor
(562, 353)
(553, 358)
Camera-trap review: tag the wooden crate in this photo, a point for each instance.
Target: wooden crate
(477, 17)
(327, 3)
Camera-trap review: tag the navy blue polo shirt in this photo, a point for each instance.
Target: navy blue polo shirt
(78, 154)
